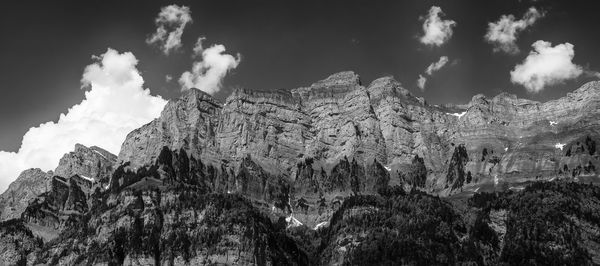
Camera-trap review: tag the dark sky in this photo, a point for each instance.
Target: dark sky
(45, 46)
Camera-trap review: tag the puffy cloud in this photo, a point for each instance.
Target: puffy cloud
(207, 74)
(546, 65)
(421, 82)
(115, 104)
(433, 67)
(436, 30)
(170, 23)
(503, 33)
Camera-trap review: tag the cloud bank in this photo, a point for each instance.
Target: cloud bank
(503, 33)
(208, 73)
(115, 104)
(436, 30)
(545, 66)
(170, 23)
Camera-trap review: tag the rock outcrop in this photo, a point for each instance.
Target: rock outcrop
(63, 205)
(16, 243)
(188, 122)
(90, 164)
(93, 162)
(28, 185)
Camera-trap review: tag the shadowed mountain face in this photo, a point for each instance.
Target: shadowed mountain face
(318, 176)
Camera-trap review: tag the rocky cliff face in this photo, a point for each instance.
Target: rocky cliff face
(28, 185)
(90, 164)
(507, 140)
(247, 181)
(188, 122)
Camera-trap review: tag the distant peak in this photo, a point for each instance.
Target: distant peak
(79, 146)
(344, 78)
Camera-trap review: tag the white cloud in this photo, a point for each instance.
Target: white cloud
(170, 23)
(436, 30)
(115, 104)
(503, 33)
(198, 49)
(421, 82)
(546, 65)
(433, 67)
(207, 74)
(168, 78)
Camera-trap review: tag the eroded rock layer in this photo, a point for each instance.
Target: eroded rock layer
(506, 139)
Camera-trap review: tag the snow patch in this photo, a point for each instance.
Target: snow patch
(459, 115)
(559, 146)
(292, 222)
(552, 123)
(387, 168)
(100, 154)
(519, 188)
(87, 178)
(319, 225)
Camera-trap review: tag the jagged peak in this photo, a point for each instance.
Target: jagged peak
(197, 95)
(344, 78)
(191, 99)
(82, 149)
(335, 84)
(32, 170)
(274, 96)
(388, 85)
(384, 81)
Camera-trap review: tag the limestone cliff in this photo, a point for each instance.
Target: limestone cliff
(28, 185)
(507, 139)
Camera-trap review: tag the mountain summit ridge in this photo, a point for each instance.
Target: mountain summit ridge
(339, 117)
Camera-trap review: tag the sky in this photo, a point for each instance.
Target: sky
(90, 72)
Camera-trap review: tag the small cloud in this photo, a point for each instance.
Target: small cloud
(421, 82)
(168, 78)
(171, 22)
(546, 65)
(433, 67)
(503, 33)
(208, 73)
(436, 30)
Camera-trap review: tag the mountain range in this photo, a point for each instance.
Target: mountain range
(333, 173)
